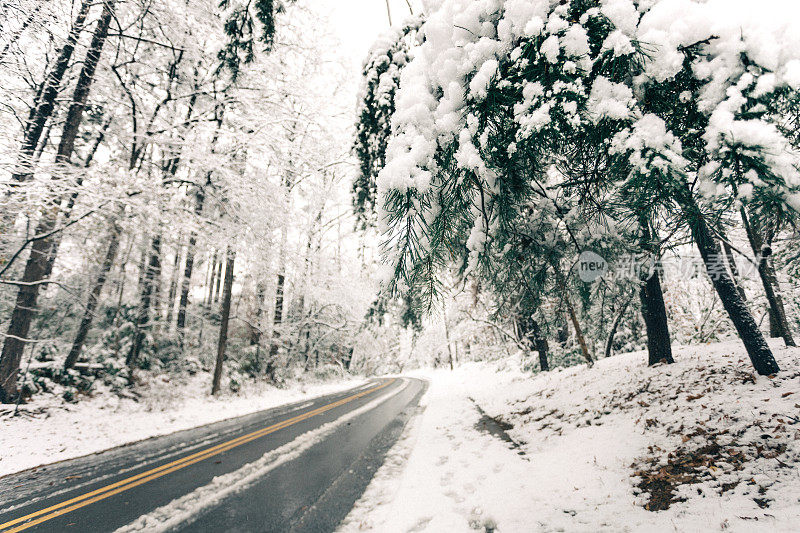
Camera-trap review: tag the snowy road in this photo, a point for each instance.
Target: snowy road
(298, 467)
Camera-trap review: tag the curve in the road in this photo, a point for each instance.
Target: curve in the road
(107, 505)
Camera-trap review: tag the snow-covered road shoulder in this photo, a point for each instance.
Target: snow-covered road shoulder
(701, 445)
(52, 430)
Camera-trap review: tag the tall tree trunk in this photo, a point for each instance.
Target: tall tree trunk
(173, 283)
(189, 266)
(212, 268)
(225, 312)
(572, 315)
(145, 301)
(279, 297)
(276, 324)
(754, 342)
(40, 262)
(94, 297)
(769, 279)
(156, 298)
(654, 312)
(217, 281)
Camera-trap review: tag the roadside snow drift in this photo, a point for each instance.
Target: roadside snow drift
(701, 445)
(51, 430)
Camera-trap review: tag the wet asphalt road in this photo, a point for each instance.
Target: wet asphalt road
(311, 489)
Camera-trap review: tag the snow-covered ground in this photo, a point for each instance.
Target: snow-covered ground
(50, 430)
(593, 448)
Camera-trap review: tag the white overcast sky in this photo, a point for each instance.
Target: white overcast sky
(357, 23)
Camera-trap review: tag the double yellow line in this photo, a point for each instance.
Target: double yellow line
(134, 481)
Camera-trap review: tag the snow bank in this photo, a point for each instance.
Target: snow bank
(46, 433)
(727, 442)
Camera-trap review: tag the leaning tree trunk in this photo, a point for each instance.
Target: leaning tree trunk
(615, 326)
(654, 312)
(572, 315)
(737, 278)
(710, 251)
(21, 30)
(94, 297)
(578, 332)
(225, 313)
(40, 262)
(769, 279)
(44, 107)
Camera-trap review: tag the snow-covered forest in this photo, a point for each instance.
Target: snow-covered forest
(171, 169)
(206, 203)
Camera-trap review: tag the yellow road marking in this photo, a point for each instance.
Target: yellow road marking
(139, 479)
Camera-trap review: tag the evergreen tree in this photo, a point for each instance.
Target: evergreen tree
(569, 102)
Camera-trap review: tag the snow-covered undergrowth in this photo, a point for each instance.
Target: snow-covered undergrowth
(701, 445)
(49, 430)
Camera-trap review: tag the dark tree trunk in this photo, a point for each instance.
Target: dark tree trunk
(654, 312)
(775, 330)
(769, 280)
(225, 312)
(734, 269)
(21, 30)
(754, 342)
(19, 326)
(94, 298)
(562, 333)
(40, 262)
(145, 300)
